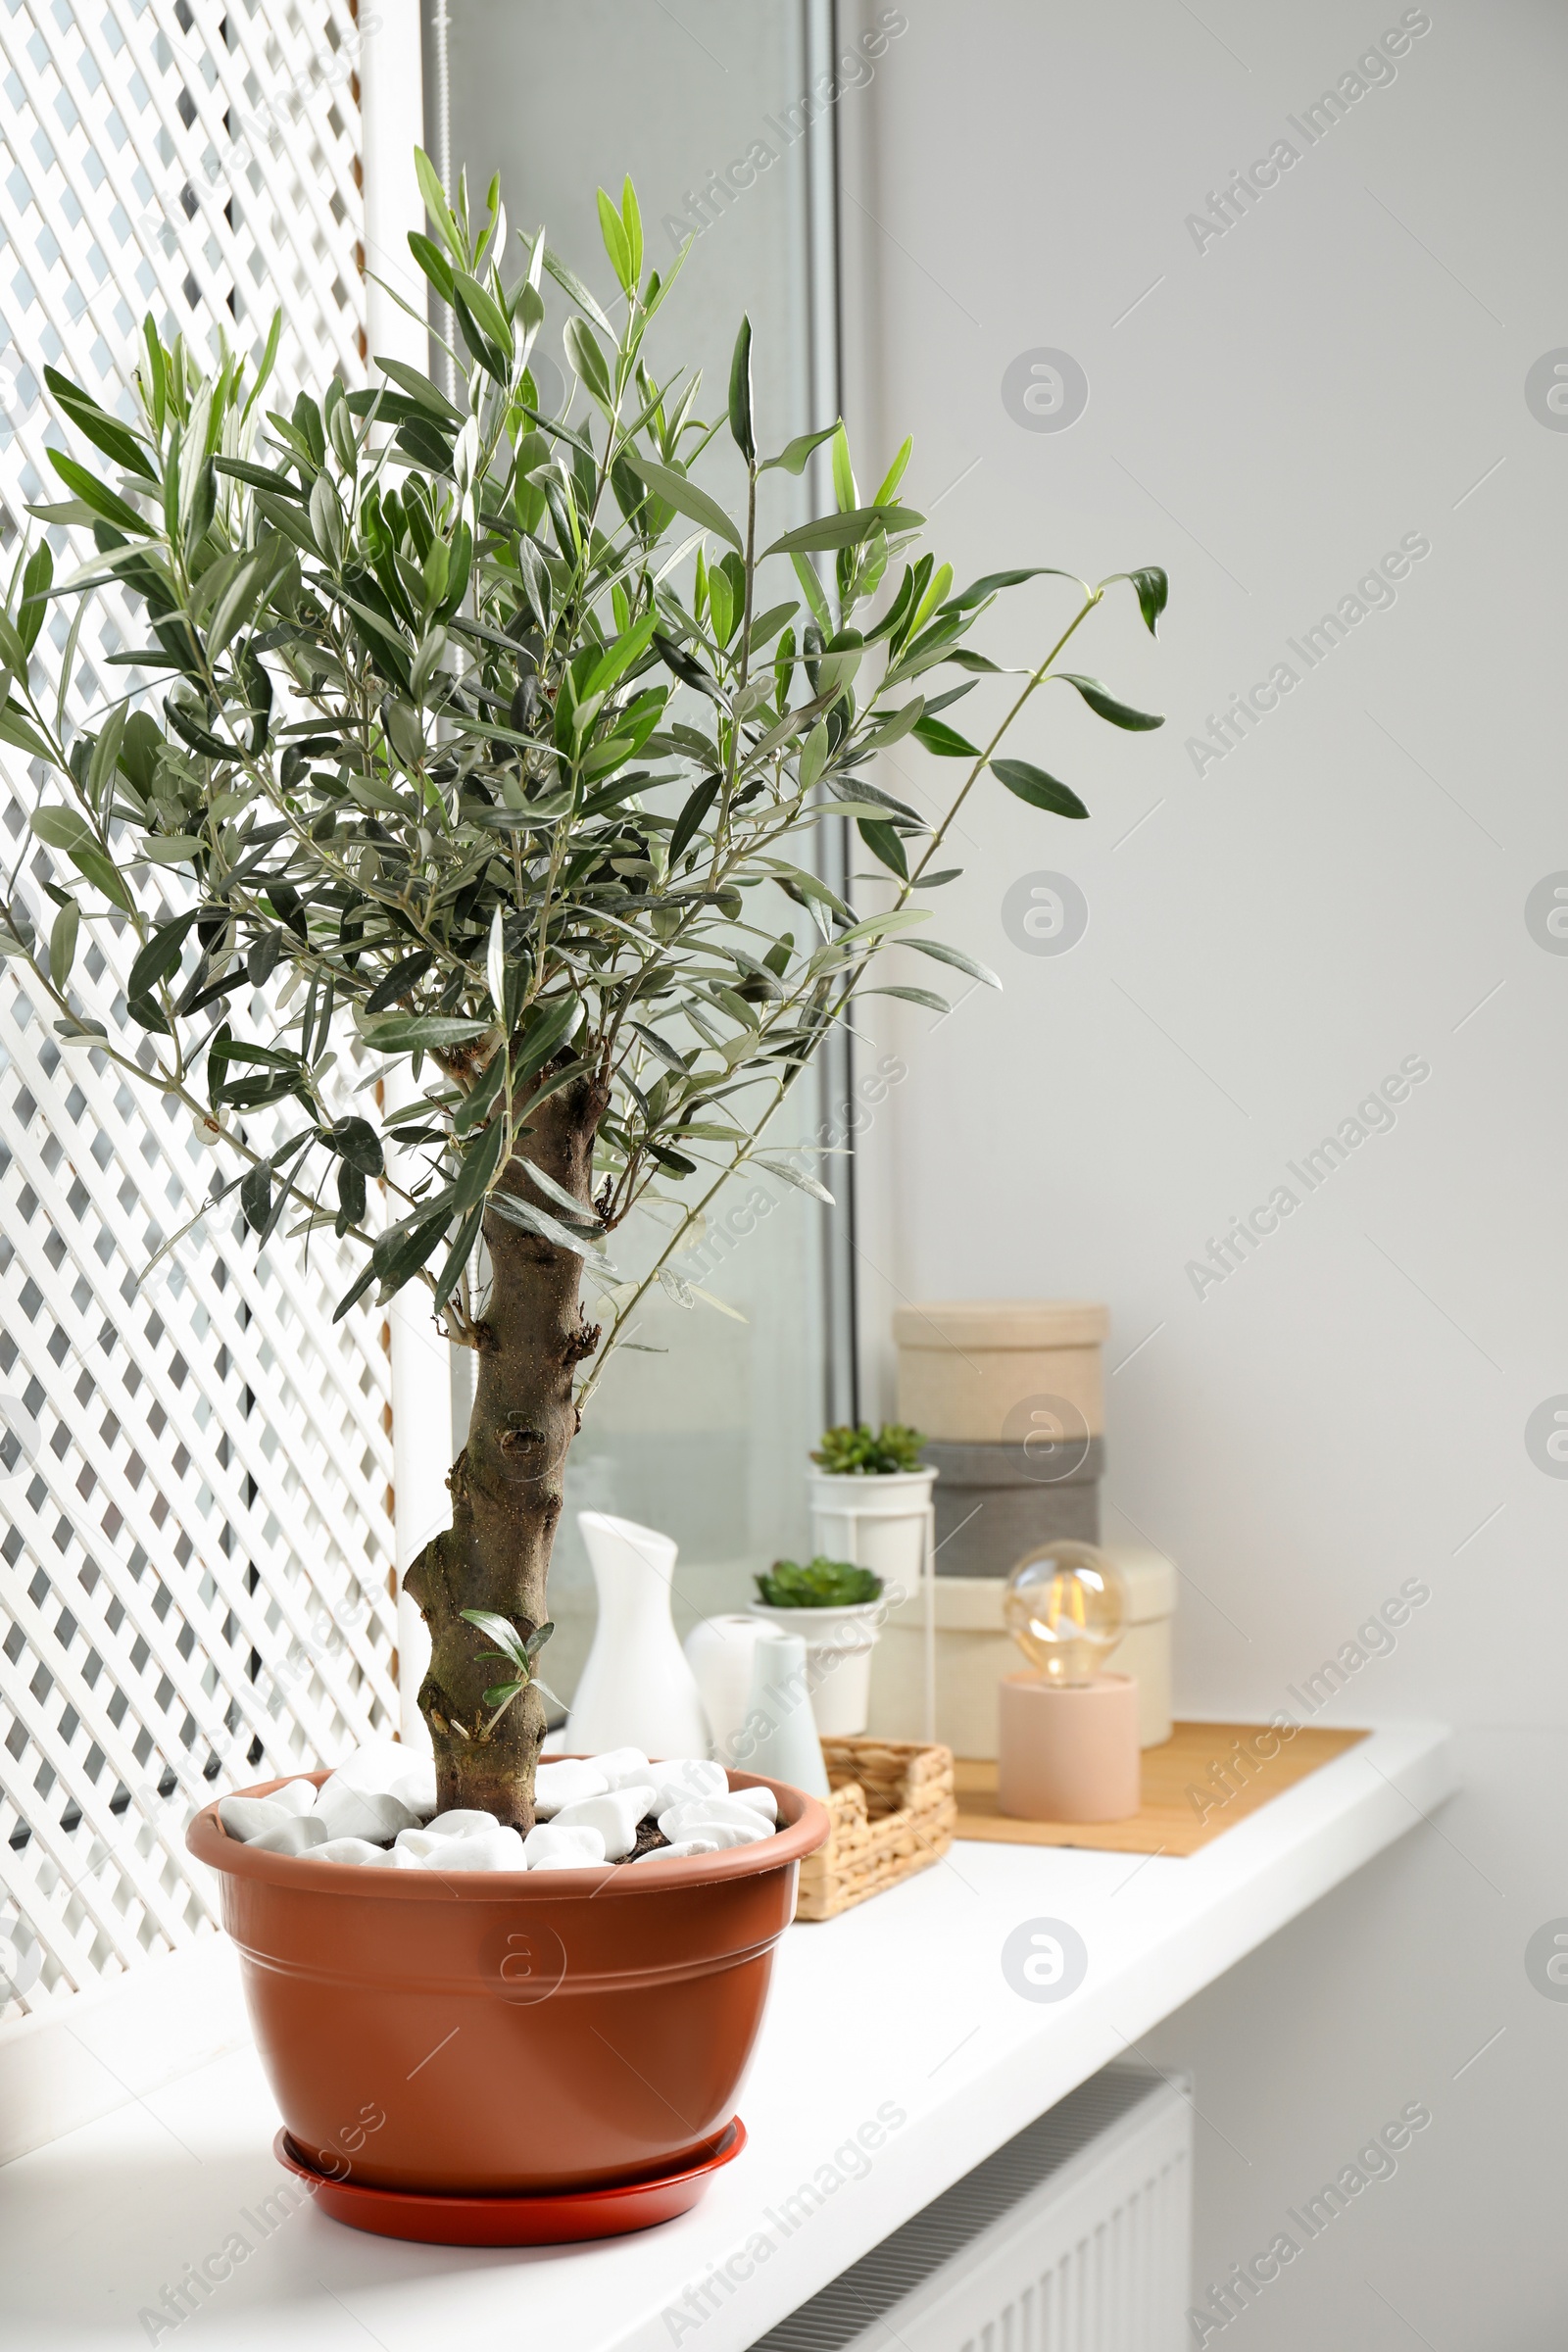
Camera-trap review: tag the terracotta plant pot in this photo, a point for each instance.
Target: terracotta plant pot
(505, 2033)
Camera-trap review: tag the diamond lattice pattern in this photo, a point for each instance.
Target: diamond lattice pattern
(195, 1463)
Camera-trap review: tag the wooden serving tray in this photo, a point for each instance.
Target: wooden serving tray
(1173, 1819)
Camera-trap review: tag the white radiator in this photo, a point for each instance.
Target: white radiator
(1072, 2238)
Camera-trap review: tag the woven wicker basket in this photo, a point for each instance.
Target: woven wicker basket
(893, 1812)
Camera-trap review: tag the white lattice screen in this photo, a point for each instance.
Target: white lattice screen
(195, 1539)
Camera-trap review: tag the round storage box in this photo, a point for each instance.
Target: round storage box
(995, 1504)
(1016, 1372)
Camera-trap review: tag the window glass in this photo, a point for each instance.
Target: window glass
(704, 1434)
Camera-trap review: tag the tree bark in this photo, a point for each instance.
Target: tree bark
(506, 1483)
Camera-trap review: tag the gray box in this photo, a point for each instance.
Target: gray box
(993, 1503)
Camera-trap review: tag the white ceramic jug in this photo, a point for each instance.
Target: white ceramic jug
(636, 1689)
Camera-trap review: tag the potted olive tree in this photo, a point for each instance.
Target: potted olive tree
(497, 738)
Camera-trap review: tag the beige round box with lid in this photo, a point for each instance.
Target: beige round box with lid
(974, 1651)
(1001, 1371)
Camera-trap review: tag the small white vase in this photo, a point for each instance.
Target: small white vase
(718, 1650)
(881, 1521)
(838, 1659)
(779, 1739)
(637, 1690)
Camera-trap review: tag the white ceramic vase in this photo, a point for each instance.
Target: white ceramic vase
(637, 1690)
(718, 1650)
(837, 1660)
(778, 1738)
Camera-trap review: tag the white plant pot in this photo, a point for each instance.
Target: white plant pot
(637, 1688)
(837, 1660)
(881, 1522)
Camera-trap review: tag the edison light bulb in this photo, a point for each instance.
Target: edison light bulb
(1063, 1607)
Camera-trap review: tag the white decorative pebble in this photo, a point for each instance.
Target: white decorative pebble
(684, 1776)
(497, 1849)
(419, 1843)
(682, 1847)
(676, 1820)
(727, 1832)
(761, 1801)
(389, 1768)
(372, 1763)
(347, 1849)
(742, 1827)
(615, 1816)
(368, 1813)
(460, 1823)
(250, 1817)
(416, 1843)
(295, 1796)
(550, 1846)
(566, 1783)
(300, 1834)
(416, 1785)
(624, 1768)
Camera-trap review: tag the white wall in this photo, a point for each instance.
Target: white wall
(1344, 890)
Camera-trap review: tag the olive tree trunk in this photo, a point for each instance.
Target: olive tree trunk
(506, 1483)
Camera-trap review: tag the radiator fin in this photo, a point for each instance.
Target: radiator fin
(1110, 2274)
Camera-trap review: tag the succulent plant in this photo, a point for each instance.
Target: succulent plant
(849, 1452)
(821, 1584)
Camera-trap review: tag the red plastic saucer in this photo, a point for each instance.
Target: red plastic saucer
(536, 2218)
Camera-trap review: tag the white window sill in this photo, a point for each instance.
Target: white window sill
(901, 2003)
